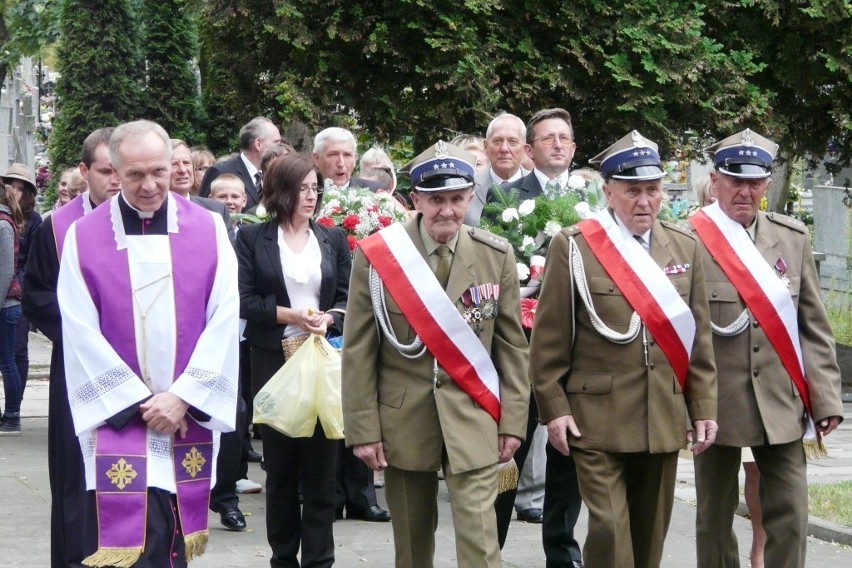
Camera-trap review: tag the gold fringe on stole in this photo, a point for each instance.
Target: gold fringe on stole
(195, 544)
(814, 449)
(507, 476)
(118, 557)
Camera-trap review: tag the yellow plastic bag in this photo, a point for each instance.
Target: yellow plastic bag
(302, 391)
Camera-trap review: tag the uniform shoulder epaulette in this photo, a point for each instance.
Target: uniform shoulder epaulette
(572, 230)
(490, 239)
(786, 221)
(683, 228)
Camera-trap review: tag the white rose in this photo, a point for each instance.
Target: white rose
(576, 182)
(551, 228)
(537, 260)
(260, 211)
(528, 241)
(583, 210)
(510, 214)
(523, 271)
(526, 207)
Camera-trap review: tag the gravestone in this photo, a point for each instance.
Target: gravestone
(832, 218)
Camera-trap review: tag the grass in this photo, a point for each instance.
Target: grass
(838, 305)
(832, 502)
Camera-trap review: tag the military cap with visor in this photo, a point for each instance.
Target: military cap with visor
(441, 167)
(745, 154)
(632, 158)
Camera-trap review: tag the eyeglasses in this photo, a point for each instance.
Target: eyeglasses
(305, 190)
(550, 140)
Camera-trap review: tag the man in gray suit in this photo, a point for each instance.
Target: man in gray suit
(504, 146)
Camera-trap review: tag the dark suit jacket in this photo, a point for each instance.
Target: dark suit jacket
(528, 187)
(233, 166)
(216, 207)
(355, 182)
(261, 279)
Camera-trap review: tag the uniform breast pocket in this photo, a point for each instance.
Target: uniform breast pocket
(725, 303)
(683, 284)
(608, 301)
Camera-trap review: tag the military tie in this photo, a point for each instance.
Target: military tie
(645, 246)
(258, 184)
(442, 273)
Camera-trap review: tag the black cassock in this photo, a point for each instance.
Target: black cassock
(73, 519)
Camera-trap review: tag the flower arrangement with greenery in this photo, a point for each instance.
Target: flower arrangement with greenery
(359, 212)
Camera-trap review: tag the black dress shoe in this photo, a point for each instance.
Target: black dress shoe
(374, 514)
(253, 457)
(233, 520)
(576, 564)
(533, 515)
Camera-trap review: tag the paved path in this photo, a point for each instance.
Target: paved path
(25, 510)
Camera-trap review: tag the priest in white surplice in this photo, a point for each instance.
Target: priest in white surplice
(150, 325)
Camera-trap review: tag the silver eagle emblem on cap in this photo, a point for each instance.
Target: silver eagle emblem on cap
(748, 141)
(638, 141)
(441, 150)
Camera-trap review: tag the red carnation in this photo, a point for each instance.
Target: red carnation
(350, 222)
(384, 220)
(528, 307)
(352, 242)
(325, 222)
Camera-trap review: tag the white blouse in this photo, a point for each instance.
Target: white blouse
(302, 276)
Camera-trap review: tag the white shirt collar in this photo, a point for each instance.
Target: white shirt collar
(543, 179)
(249, 166)
(498, 180)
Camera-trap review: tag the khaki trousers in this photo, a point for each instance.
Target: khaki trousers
(630, 498)
(783, 469)
(412, 500)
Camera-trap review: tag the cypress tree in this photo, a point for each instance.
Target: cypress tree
(100, 65)
(171, 45)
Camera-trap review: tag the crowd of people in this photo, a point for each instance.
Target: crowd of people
(168, 311)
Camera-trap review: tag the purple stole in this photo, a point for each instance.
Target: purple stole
(63, 217)
(121, 455)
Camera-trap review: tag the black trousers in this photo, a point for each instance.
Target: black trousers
(291, 464)
(562, 503)
(505, 502)
(354, 487)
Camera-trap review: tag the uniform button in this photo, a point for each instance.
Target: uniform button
(438, 384)
(755, 372)
(714, 295)
(174, 554)
(585, 387)
(756, 348)
(755, 325)
(612, 288)
(653, 365)
(651, 343)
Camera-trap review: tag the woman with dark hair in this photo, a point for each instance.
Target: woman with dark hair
(10, 310)
(22, 181)
(292, 271)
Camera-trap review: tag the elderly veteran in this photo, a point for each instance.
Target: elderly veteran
(779, 379)
(435, 363)
(620, 352)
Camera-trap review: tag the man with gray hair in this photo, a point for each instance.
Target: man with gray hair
(504, 147)
(149, 326)
(255, 137)
(335, 154)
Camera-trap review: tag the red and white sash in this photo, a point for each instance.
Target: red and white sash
(645, 287)
(436, 320)
(759, 287)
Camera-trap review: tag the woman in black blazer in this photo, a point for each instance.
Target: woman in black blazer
(291, 272)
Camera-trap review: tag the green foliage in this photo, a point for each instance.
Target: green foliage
(171, 45)
(26, 28)
(101, 74)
